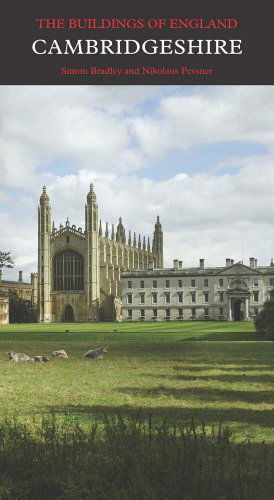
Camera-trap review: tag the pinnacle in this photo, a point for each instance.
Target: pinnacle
(91, 194)
(44, 196)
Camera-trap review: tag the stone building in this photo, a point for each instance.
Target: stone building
(79, 270)
(4, 308)
(24, 290)
(235, 292)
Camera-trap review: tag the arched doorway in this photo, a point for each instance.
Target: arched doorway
(238, 313)
(68, 316)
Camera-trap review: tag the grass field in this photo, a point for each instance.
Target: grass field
(210, 371)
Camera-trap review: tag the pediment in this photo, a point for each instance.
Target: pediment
(238, 270)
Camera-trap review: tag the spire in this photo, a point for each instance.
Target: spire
(44, 213)
(44, 198)
(158, 243)
(106, 231)
(91, 212)
(134, 240)
(148, 244)
(100, 228)
(120, 233)
(53, 226)
(144, 243)
(112, 232)
(67, 222)
(91, 196)
(139, 242)
(129, 238)
(158, 225)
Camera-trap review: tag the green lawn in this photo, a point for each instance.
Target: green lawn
(210, 371)
(187, 330)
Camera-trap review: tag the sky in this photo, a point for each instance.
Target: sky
(200, 157)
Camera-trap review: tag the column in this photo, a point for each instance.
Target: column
(246, 318)
(229, 309)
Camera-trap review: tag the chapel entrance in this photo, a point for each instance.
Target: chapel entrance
(68, 316)
(238, 313)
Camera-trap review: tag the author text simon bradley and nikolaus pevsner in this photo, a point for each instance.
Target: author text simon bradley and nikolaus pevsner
(143, 70)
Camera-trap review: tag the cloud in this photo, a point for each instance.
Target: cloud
(109, 129)
(203, 216)
(84, 126)
(215, 115)
(67, 137)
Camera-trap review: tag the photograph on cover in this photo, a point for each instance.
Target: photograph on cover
(183, 180)
(136, 251)
(137, 270)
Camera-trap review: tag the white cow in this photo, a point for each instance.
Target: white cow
(96, 353)
(18, 356)
(38, 359)
(60, 354)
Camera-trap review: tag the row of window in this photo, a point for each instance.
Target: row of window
(179, 283)
(180, 313)
(167, 297)
(256, 296)
(193, 283)
(193, 296)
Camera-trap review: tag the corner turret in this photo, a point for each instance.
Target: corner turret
(157, 245)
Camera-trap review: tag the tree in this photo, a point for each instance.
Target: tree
(19, 309)
(264, 323)
(6, 260)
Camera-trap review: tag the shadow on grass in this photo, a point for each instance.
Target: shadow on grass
(131, 337)
(212, 416)
(223, 336)
(221, 366)
(203, 394)
(227, 378)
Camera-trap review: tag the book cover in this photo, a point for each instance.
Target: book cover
(136, 249)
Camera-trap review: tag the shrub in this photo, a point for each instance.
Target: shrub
(129, 459)
(264, 323)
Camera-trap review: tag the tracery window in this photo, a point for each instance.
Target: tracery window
(68, 271)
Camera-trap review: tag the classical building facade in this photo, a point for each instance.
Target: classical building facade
(235, 292)
(4, 308)
(79, 269)
(24, 290)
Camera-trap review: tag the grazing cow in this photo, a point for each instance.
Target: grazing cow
(18, 356)
(39, 359)
(60, 354)
(96, 353)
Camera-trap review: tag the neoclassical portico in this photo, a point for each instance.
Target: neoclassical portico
(238, 299)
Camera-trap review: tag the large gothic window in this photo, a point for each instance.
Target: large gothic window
(68, 272)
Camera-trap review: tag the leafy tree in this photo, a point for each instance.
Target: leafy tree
(19, 309)
(264, 323)
(6, 260)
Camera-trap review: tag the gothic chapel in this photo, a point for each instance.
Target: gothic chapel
(79, 271)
